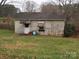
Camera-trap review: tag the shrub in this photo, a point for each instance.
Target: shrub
(69, 30)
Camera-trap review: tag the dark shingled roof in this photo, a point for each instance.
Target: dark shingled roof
(38, 16)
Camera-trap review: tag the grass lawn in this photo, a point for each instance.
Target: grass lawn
(14, 46)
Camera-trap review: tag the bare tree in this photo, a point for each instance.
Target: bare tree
(71, 12)
(2, 2)
(49, 7)
(67, 7)
(30, 6)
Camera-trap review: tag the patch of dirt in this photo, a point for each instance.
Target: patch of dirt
(20, 45)
(30, 45)
(10, 46)
(75, 36)
(4, 57)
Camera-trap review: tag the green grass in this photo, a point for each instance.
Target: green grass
(13, 46)
(2, 18)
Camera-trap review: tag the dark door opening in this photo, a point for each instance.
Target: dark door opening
(41, 29)
(26, 24)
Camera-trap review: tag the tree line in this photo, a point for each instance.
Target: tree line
(7, 9)
(66, 7)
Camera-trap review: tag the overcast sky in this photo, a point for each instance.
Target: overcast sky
(37, 1)
(21, 2)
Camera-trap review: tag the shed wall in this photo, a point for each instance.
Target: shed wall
(55, 28)
(19, 28)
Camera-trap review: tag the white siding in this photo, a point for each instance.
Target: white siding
(34, 26)
(19, 28)
(55, 28)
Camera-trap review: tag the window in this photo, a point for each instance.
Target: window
(41, 29)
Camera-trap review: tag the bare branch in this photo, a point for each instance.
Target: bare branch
(30, 6)
(3, 2)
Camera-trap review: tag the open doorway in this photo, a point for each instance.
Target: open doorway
(26, 25)
(26, 28)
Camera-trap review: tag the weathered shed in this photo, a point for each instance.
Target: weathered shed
(42, 23)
